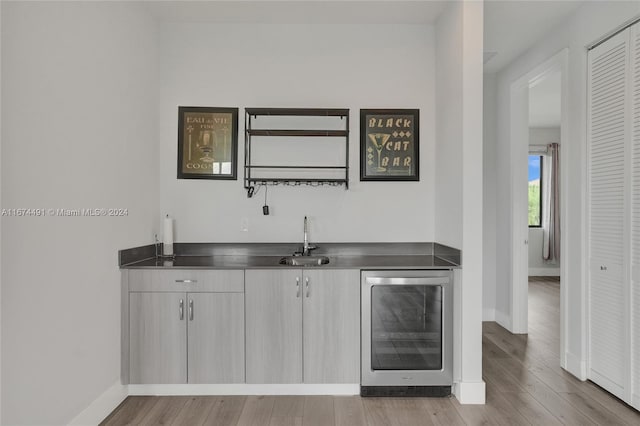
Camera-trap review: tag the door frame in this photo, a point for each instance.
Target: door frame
(519, 130)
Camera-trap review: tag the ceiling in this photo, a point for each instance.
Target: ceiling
(298, 11)
(512, 27)
(544, 102)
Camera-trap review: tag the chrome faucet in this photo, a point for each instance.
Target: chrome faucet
(306, 248)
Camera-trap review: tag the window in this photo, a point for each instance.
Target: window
(535, 194)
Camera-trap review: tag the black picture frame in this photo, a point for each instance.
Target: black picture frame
(207, 143)
(396, 133)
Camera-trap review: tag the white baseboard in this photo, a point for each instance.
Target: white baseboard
(470, 392)
(102, 406)
(544, 272)
(488, 315)
(635, 401)
(503, 319)
(575, 366)
(247, 389)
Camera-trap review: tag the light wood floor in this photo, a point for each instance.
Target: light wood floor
(525, 386)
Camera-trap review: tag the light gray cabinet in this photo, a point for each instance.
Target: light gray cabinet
(303, 326)
(216, 337)
(158, 338)
(331, 326)
(189, 330)
(273, 331)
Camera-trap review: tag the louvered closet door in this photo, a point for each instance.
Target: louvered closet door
(608, 345)
(635, 214)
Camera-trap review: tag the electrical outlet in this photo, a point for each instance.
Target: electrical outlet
(244, 224)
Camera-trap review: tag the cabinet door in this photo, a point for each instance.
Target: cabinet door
(274, 326)
(216, 337)
(608, 114)
(158, 338)
(635, 215)
(331, 326)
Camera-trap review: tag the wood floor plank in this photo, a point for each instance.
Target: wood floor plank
(558, 406)
(557, 382)
(503, 382)
(442, 412)
(287, 411)
(375, 413)
(318, 411)
(285, 421)
(514, 345)
(348, 411)
(501, 410)
(132, 411)
(610, 402)
(476, 415)
(195, 411)
(408, 412)
(164, 411)
(227, 411)
(596, 412)
(291, 406)
(545, 395)
(531, 409)
(491, 350)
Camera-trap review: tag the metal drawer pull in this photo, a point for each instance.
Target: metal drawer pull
(181, 309)
(297, 287)
(191, 310)
(307, 284)
(187, 281)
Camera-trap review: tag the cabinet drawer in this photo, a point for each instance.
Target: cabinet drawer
(223, 281)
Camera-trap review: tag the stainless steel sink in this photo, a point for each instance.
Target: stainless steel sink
(304, 260)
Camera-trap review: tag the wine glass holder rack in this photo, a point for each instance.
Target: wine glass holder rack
(251, 170)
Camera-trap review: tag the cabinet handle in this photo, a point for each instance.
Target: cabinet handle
(603, 268)
(187, 281)
(306, 280)
(297, 287)
(190, 309)
(181, 309)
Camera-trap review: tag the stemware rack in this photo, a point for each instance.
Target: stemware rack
(281, 174)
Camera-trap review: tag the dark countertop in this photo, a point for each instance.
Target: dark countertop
(263, 262)
(392, 255)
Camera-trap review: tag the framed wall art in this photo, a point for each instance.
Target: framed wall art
(389, 144)
(207, 143)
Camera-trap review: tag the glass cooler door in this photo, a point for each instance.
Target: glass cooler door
(406, 327)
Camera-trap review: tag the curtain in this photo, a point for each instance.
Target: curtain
(551, 204)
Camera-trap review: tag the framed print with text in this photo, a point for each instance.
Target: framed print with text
(207, 143)
(389, 144)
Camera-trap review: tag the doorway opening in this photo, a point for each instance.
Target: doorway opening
(538, 127)
(543, 192)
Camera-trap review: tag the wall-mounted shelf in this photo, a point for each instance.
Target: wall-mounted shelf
(293, 146)
(282, 132)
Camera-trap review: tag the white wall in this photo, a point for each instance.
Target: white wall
(489, 198)
(448, 167)
(459, 214)
(347, 66)
(79, 103)
(591, 21)
(537, 265)
(544, 135)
